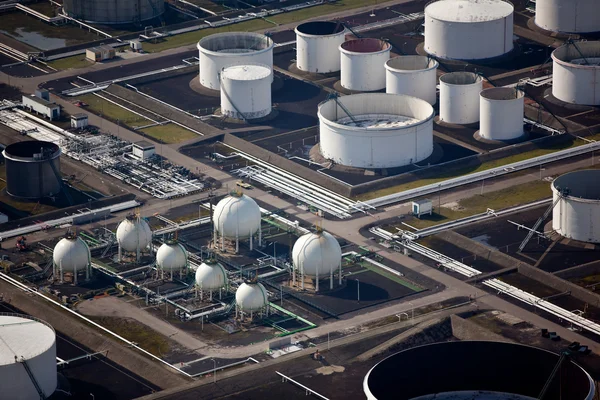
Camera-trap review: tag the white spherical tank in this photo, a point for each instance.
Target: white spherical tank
(134, 234)
(237, 216)
(413, 76)
(26, 339)
(246, 91)
(459, 97)
(251, 297)
(501, 113)
(223, 50)
(568, 16)
(171, 256)
(71, 254)
(576, 73)
(211, 276)
(363, 64)
(468, 29)
(316, 254)
(317, 46)
(577, 214)
(391, 130)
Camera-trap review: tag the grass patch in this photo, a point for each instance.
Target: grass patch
(258, 24)
(136, 332)
(112, 111)
(169, 133)
(391, 276)
(470, 170)
(76, 61)
(497, 200)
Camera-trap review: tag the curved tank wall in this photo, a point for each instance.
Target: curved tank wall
(577, 215)
(211, 276)
(317, 46)
(465, 366)
(38, 161)
(71, 254)
(393, 130)
(363, 64)
(576, 73)
(468, 29)
(34, 341)
(171, 256)
(237, 215)
(246, 91)
(223, 50)
(568, 16)
(459, 97)
(316, 254)
(413, 76)
(251, 297)
(501, 113)
(114, 11)
(134, 233)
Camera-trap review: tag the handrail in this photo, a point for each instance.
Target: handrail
(308, 390)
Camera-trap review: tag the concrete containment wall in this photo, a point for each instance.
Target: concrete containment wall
(466, 330)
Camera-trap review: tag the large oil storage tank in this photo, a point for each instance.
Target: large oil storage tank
(317, 46)
(232, 48)
(363, 64)
(114, 11)
(459, 97)
(316, 254)
(568, 16)
(501, 113)
(463, 371)
(32, 169)
(383, 130)
(577, 213)
(246, 91)
(27, 343)
(412, 75)
(576, 72)
(468, 29)
(71, 254)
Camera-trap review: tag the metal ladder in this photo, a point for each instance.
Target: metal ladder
(33, 380)
(61, 183)
(539, 222)
(109, 245)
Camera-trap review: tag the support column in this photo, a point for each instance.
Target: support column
(251, 242)
(331, 279)
(317, 282)
(87, 272)
(75, 275)
(119, 253)
(259, 236)
(340, 273)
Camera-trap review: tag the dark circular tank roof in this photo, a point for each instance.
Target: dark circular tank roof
(367, 45)
(29, 148)
(321, 28)
(471, 366)
(582, 184)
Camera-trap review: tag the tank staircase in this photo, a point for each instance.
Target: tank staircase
(110, 244)
(32, 377)
(40, 274)
(301, 299)
(533, 230)
(63, 187)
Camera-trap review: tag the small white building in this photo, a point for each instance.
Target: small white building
(41, 106)
(422, 207)
(79, 120)
(100, 53)
(143, 150)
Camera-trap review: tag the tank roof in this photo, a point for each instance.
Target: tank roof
(377, 121)
(460, 78)
(410, 63)
(367, 45)
(581, 184)
(247, 72)
(235, 43)
(468, 11)
(23, 336)
(501, 93)
(30, 148)
(586, 54)
(321, 28)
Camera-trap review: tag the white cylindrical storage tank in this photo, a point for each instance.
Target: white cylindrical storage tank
(363, 64)
(391, 130)
(251, 297)
(501, 113)
(211, 276)
(246, 91)
(317, 46)
(232, 48)
(412, 75)
(576, 73)
(29, 341)
(468, 29)
(71, 254)
(577, 214)
(316, 254)
(236, 216)
(134, 234)
(568, 16)
(171, 256)
(459, 97)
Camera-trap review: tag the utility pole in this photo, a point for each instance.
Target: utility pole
(358, 289)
